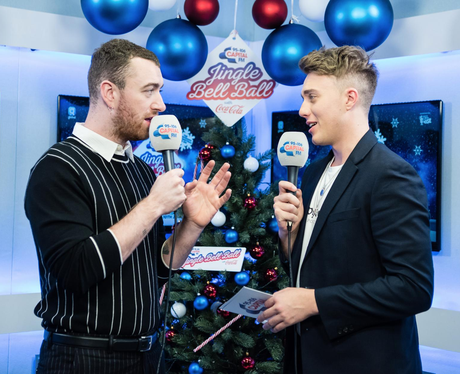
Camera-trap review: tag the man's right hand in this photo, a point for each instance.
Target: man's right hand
(288, 207)
(168, 193)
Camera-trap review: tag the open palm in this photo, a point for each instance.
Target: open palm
(204, 199)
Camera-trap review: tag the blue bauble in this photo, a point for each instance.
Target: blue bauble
(366, 23)
(242, 278)
(115, 17)
(227, 151)
(273, 225)
(181, 48)
(186, 276)
(231, 236)
(201, 302)
(283, 49)
(194, 368)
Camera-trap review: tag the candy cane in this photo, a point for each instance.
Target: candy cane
(217, 333)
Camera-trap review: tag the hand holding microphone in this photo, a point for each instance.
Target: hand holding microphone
(293, 153)
(165, 136)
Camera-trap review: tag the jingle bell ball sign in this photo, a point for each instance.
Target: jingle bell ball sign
(232, 81)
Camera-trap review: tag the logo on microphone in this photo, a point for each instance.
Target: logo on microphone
(166, 131)
(292, 148)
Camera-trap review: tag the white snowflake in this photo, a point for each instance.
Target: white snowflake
(380, 137)
(394, 123)
(418, 150)
(187, 139)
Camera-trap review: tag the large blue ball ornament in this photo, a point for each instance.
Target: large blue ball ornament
(186, 276)
(200, 303)
(181, 48)
(227, 151)
(115, 17)
(231, 236)
(242, 278)
(283, 49)
(194, 368)
(366, 23)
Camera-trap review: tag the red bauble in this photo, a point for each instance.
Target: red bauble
(210, 290)
(257, 251)
(247, 363)
(269, 14)
(201, 12)
(271, 275)
(223, 313)
(205, 154)
(250, 202)
(170, 334)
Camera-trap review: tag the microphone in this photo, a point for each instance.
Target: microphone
(293, 153)
(165, 136)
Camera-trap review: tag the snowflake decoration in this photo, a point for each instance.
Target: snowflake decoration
(394, 123)
(380, 137)
(203, 123)
(187, 139)
(418, 150)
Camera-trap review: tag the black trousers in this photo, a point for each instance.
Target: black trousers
(60, 359)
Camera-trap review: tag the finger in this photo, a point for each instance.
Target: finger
(190, 186)
(225, 197)
(220, 174)
(223, 183)
(206, 172)
(285, 186)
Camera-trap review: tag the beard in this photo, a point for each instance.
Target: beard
(127, 124)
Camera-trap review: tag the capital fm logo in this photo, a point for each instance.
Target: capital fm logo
(292, 148)
(166, 131)
(234, 55)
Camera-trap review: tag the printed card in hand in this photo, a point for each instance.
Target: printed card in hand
(248, 302)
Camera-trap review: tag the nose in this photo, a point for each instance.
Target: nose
(158, 104)
(304, 110)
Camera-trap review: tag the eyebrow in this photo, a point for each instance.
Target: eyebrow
(154, 85)
(307, 92)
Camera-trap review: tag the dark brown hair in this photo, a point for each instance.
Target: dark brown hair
(111, 62)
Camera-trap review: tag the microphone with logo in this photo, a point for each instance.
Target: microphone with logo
(293, 153)
(165, 136)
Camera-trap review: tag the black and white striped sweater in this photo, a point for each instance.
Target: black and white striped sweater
(73, 197)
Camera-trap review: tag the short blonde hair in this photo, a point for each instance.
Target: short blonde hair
(348, 64)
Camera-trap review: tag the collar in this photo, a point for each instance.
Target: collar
(101, 145)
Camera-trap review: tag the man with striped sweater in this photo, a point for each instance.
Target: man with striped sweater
(95, 211)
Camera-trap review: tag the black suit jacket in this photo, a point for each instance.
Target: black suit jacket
(369, 260)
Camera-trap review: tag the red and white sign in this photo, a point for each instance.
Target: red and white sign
(232, 81)
(215, 259)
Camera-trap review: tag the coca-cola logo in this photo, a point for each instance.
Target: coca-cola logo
(225, 82)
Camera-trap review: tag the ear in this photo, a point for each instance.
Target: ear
(352, 96)
(109, 93)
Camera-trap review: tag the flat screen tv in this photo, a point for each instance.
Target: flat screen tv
(194, 120)
(413, 130)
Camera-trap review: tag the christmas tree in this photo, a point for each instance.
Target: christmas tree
(201, 338)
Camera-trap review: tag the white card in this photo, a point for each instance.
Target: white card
(248, 302)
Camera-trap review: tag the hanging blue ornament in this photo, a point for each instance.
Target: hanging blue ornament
(201, 302)
(181, 48)
(186, 276)
(366, 23)
(231, 236)
(283, 49)
(115, 17)
(273, 225)
(242, 278)
(227, 151)
(195, 368)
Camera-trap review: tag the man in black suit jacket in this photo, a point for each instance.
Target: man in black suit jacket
(361, 257)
